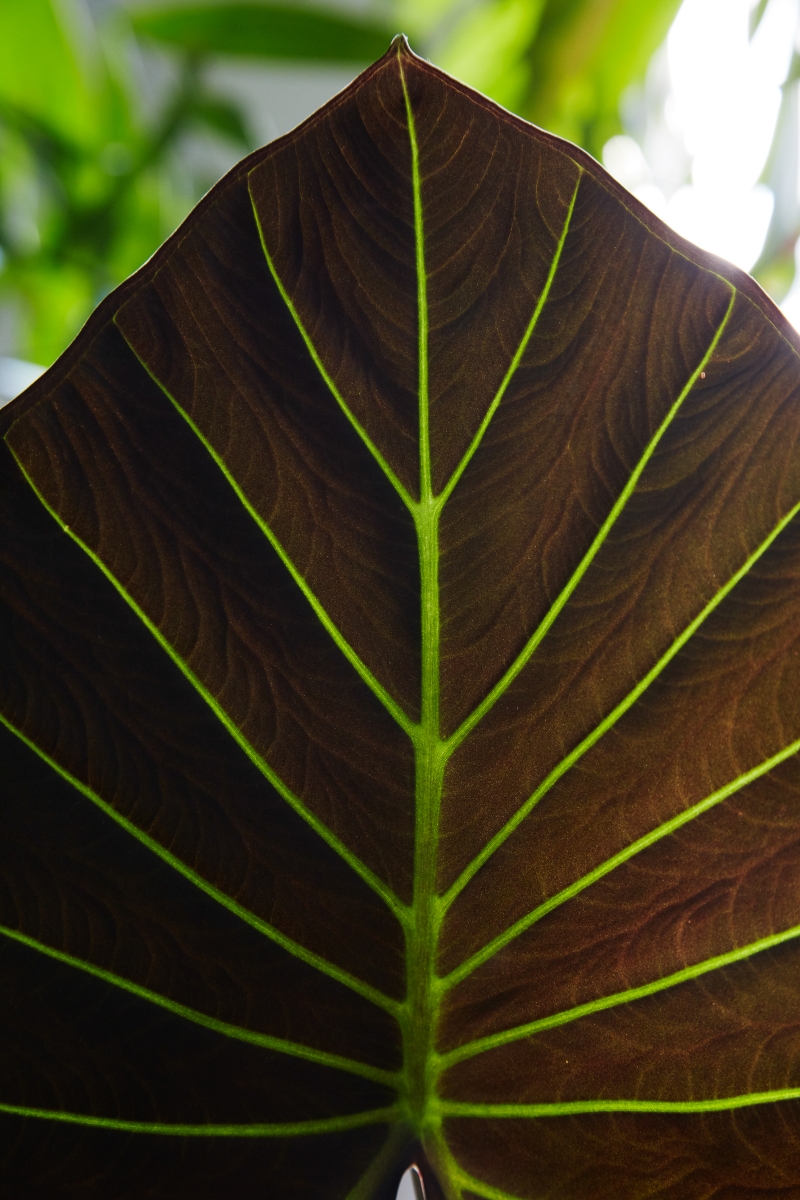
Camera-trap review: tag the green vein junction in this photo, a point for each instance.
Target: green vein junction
(418, 1105)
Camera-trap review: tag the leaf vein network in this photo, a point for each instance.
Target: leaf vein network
(599, 539)
(289, 944)
(569, 761)
(344, 852)
(226, 1028)
(374, 684)
(706, 966)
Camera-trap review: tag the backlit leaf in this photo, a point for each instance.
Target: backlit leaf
(400, 692)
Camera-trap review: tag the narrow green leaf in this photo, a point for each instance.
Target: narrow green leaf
(266, 31)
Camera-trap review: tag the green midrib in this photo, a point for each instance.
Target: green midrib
(418, 1016)
(421, 1064)
(419, 1019)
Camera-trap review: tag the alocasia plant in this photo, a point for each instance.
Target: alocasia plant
(401, 692)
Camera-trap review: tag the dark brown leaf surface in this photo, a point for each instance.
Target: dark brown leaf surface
(400, 693)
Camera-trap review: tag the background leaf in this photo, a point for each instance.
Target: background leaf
(563, 65)
(86, 193)
(269, 30)
(58, 83)
(99, 161)
(399, 691)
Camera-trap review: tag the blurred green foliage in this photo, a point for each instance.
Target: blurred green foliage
(91, 182)
(90, 176)
(84, 196)
(776, 266)
(277, 32)
(562, 64)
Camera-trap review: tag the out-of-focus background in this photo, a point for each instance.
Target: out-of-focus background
(117, 115)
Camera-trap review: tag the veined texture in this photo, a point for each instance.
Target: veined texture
(400, 692)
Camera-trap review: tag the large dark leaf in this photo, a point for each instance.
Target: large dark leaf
(401, 692)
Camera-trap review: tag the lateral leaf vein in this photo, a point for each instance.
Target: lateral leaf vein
(515, 361)
(237, 1032)
(238, 910)
(360, 868)
(569, 1107)
(636, 847)
(319, 610)
(479, 1188)
(599, 539)
(376, 1116)
(616, 713)
(518, 1032)
(337, 395)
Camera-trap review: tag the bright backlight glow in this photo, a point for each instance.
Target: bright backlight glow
(722, 105)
